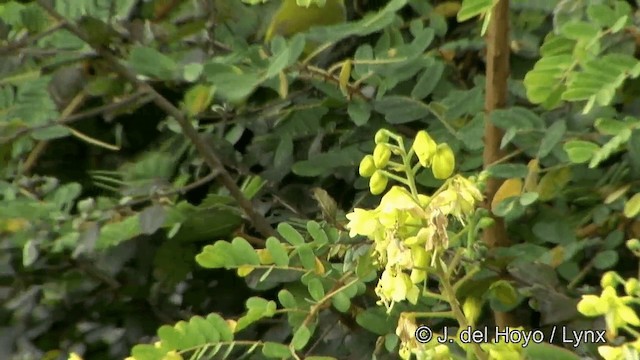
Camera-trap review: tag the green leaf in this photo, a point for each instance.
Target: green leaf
(552, 137)
(284, 153)
(580, 151)
(580, 30)
(150, 62)
(401, 109)
(152, 218)
(527, 199)
(614, 144)
(602, 15)
(114, 233)
(50, 133)
(275, 350)
(504, 292)
(205, 329)
(471, 8)
(506, 171)
(545, 82)
(307, 257)
(518, 118)
(610, 126)
(359, 111)
(316, 289)
(370, 23)
(278, 252)
(231, 82)
(198, 99)
(376, 320)
(218, 255)
(554, 231)
(605, 259)
(147, 352)
(244, 253)
(291, 235)
(548, 351)
(428, 80)
(341, 302)
(29, 253)
(278, 62)
(301, 338)
(317, 233)
(632, 206)
(287, 299)
(221, 326)
(328, 162)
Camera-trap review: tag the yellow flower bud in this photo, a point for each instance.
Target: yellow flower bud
(472, 307)
(443, 162)
(382, 136)
(631, 286)
(378, 183)
(424, 147)
(608, 279)
(633, 244)
(367, 166)
(485, 222)
(381, 155)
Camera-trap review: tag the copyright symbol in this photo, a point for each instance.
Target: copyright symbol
(423, 334)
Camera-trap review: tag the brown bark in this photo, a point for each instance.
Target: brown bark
(497, 73)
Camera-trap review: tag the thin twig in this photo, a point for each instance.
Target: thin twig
(259, 221)
(33, 157)
(65, 120)
(11, 47)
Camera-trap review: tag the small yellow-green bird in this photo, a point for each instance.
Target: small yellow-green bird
(291, 19)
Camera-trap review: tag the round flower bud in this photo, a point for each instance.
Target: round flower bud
(633, 244)
(381, 155)
(378, 183)
(632, 286)
(424, 147)
(381, 136)
(443, 162)
(367, 166)
(608, 279)
(485, 222)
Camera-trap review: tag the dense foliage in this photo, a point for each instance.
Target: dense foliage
(175, 187)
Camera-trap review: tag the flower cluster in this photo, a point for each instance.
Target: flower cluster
(617, 312)
(409, 229)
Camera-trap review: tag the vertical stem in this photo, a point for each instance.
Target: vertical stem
(406, 161)
(497, 41)
(450, 294)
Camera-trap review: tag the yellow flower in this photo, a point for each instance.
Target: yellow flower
(362, 222)
(612, 352)
(397, 206)
(398, 255)
(74, 356)
(616, 312)
(395, 286)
